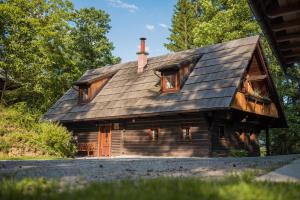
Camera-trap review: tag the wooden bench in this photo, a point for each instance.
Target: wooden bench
(89, 147)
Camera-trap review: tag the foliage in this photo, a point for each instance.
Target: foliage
(238, 153)
(22, 134)
(223, 20)
(236, 187)
(45, 52)
(91, 27)
(183, 23)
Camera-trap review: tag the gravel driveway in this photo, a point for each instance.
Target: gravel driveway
(136, 167)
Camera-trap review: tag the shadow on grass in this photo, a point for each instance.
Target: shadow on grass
(233, 187)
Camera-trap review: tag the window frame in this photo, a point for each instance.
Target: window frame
(221, 132)
(81, 88)
(164, 74)
(154, 138)
(184, 135)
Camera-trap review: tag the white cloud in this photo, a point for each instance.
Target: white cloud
(150, 27)
(120, 4)
(163, 25)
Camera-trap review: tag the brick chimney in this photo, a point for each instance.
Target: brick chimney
(142, 56)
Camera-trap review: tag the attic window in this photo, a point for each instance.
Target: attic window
(170, 81)
(89, 88)
(84, 93)
(175, 73)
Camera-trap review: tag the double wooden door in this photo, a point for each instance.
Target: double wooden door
(104, 141)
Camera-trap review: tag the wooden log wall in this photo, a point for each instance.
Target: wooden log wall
(236, 136)
(116, 142)
(137, 139)
(86, 133)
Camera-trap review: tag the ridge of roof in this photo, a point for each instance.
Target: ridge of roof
(170, 56)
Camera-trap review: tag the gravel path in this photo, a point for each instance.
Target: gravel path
(136, 167)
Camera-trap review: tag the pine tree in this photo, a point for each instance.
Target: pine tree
(183, 23)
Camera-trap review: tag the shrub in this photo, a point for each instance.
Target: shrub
(22, 134)
(238, 152)
(4, 145)
(56, 139)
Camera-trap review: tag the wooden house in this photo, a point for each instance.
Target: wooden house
(198, 102)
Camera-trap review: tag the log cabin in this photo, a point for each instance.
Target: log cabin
(199, 102)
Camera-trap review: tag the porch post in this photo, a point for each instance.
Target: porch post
(267, 141)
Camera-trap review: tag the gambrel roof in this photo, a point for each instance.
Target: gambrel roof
(210, 86)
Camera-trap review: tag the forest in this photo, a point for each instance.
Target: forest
(47, 45)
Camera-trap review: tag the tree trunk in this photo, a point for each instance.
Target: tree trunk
(185, 34)
(267, 141)
(4, 87)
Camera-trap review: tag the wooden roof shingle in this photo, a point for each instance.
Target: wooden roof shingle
(211, 85)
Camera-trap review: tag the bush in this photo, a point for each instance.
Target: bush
(4, 145)
(22, 134)
(238, 153)
(56, 139)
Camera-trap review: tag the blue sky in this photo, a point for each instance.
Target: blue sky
(132, 19)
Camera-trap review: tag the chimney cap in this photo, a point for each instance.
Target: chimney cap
(143, 38)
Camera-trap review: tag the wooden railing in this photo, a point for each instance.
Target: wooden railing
(258, 106)
(90, 148)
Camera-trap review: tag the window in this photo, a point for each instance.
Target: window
(154, 134)
(221, 132)
(84, 96)
(170, 81)
(186, 134)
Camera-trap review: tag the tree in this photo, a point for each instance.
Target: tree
(183, 23)
(44, 53)
(223, 20)
(94, 48)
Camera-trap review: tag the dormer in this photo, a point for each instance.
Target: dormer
(88, 88)
(173, 75)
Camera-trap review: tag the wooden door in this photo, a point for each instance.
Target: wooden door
(104, 141)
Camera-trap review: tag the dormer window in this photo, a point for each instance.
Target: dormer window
(89, 88)
(174, 74)
(170, 81)
(84, 94)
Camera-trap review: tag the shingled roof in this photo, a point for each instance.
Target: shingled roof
(210, 86)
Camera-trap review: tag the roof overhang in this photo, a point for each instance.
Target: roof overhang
(94, 78)
(175, 65)
(280, 21)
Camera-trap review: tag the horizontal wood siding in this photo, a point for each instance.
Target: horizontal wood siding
(137, 138)
(133, 136)
(232, 138)
(116, 136)
(86, 137)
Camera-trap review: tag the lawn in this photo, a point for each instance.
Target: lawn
(234, 187)
(6, 157)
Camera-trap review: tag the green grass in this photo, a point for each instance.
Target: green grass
(6, 157)
(235, 187)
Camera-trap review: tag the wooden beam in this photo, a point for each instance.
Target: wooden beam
(267, 142)
(283, 11)
(291, 54)
(292, 60)
(286, 25)
(294, 45)
(288, 37)
(257, 77)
